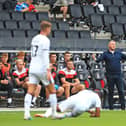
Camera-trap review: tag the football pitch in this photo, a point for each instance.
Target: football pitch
(108, 118)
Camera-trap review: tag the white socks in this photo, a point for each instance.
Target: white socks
(9, 100)
(27, 104)
(53, 103)
(34, 99)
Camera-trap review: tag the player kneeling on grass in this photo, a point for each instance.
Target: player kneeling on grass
(78, 104)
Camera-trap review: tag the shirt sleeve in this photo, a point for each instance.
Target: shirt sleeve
(15, 75)
(123, 56)
(61, 74)
(101, 58)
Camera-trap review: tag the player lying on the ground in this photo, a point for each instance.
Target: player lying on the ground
(78, 104)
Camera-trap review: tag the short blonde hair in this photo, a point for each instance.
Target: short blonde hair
(19, 60)
(44, 25)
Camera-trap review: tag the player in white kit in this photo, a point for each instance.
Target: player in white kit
(78, 104)
(81, 102)
(39, 69)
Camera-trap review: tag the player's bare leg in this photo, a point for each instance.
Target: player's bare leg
(27, 101)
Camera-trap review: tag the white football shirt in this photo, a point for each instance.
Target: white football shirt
(40, 53)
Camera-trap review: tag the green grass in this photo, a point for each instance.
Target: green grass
(108, 118)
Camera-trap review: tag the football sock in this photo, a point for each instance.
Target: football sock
(53, 103)
(9, 100)
(27, 103)
(34, 99)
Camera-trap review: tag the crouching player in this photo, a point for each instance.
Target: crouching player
(78, 104)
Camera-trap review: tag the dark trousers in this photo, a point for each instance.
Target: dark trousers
(113, 80)
(7, 87)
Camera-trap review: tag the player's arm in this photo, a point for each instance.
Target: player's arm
(19, 82)
(95, 113)
(76, 82)
(64, 82)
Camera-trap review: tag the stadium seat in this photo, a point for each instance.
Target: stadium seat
(114, 10)
(1, 7)
(108, 20)
(43, 16)
(5, 33)
(118, 2)
(54, 26)
(4, 15)
(121, 19)
(105, 2)
(101, 12)
(24, 25)
(117, 31)
(124, 30)
(87, 10)
(17, 16)
(30, 16)
(31, 33)
(19, 33)
(76, 57)
(36, 25)
(96, 22)
(60, 57)
(14, 43)
(63, 25)
(2, 1)
(2, 25)
(11, 25)
(123, 10)
(85, 34)
(75, 13)
(73, 34)
(59, 34)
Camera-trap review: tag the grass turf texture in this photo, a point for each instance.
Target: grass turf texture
(108, 118)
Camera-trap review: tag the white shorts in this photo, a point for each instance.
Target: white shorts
(36, 78)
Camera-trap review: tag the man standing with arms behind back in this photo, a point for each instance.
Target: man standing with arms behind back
(112, 59)
(39, 69)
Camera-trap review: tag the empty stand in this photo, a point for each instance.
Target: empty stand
(19, 33)
(43, 16)
(17, 16)
(108, 20)
(59, 34)
(123, 10)
(121, 19)
(114, 10)
(73, 34)
(36, 25)
(117, 31)
(5, 33)
(30, 16)
(4, 16)
(75, 12)
(96, 22)
(31, 33)
(54, 26)
(118, 2)
(2, 26)
(63, 25)
(105, 2)
(24, 25)
(11, 25)
(85, 34)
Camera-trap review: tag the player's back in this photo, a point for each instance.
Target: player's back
(88, 98)
(40, 51)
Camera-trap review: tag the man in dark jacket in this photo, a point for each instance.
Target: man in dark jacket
(112, 59)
